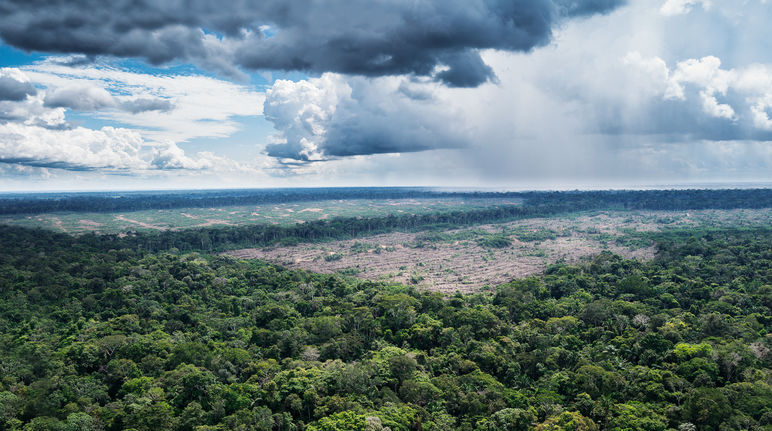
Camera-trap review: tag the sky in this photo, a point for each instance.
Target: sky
(518, 94)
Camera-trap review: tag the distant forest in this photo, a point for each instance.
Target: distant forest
(538, 204)
(136, 201)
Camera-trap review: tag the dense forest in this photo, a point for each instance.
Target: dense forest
(98, 336)
(38, 203)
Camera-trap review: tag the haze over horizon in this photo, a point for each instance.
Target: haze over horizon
(519, 95)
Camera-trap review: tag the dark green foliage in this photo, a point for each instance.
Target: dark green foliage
(333, 257)
(108, 338)
(494, 241)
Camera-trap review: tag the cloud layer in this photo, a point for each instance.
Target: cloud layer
(477, 92)
(163, 107)
(361, 37)
(165, 110)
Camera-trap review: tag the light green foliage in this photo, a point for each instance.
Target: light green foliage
(685, 351)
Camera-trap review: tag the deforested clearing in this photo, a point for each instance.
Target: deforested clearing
(461, 259)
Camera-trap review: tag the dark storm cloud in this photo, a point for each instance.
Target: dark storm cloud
(74, 60)
(365, 136)
(465, 69)
(13, 90)
(586, 7)
(371, 38)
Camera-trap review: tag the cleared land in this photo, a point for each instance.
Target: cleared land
(282, 214)
(471, 259)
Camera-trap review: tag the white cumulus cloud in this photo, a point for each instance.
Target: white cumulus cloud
(109, 148)
(711, 81)
(150, 114)
(338, 116)
(77, 149)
